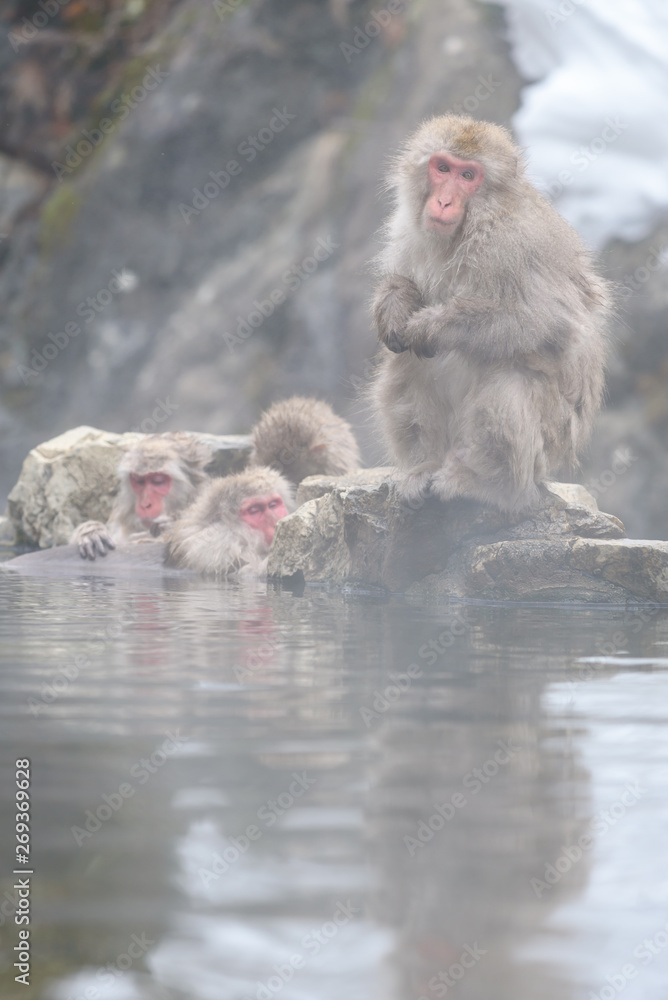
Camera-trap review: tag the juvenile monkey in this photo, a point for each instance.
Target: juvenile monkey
(304, 437)
(492, 318)
(227, 530)
(158, 478)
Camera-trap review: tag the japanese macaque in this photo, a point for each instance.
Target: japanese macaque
(493, 320)
(227, 530)
(158, 478)
(304, 437)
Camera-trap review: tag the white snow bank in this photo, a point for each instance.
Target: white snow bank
(594, 119)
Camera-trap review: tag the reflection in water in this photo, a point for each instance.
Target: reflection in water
(240, 793)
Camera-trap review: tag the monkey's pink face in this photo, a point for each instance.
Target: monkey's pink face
(262, 513)
(150, 491)
(451, 183)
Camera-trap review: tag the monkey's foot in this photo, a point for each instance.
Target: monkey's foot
(415, 487)
(455, 479)
(448, 483)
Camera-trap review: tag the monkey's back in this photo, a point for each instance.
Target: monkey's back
(303, 437)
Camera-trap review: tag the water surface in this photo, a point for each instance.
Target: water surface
(251, 793)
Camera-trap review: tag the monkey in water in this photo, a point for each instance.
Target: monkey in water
(226, 532)
(304, 437)
(493, 321)
(161, 475)
(158, 478)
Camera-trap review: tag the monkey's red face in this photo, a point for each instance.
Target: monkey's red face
(451, 183)
(262, 513)
(150, 490)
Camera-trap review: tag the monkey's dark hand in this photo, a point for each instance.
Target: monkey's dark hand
(396, 301)
(394, 342)
(92, 539)
(425, 333)
(158, 525)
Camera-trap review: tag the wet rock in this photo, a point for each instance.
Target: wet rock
(129, 560)
(639, 566)
(7, 532)
(357, 530)
(72, 478)
(555, 569)
(317, 486)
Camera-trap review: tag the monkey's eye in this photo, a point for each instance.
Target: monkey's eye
(444, 168)
(467, 175)
(255, 508)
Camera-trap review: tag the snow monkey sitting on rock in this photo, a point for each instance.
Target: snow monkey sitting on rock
(492, 319)
(158, 478)
(229, 528)
(304, 437)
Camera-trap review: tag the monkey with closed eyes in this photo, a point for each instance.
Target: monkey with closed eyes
(227, 531)
(157, 478)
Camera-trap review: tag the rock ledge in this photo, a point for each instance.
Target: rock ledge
(358, 531)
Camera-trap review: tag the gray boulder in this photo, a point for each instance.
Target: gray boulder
(358, 531)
